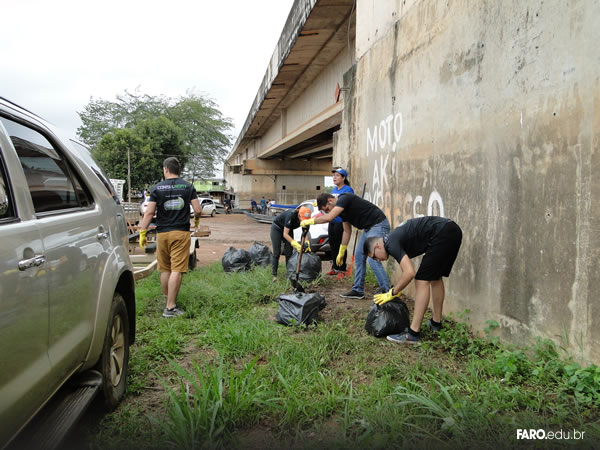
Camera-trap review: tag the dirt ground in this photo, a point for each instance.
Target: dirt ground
(229, 230)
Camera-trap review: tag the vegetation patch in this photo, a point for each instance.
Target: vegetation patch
(226, 375)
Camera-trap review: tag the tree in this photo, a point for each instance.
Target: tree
(148, 144)
(202, 127)
(205, 128)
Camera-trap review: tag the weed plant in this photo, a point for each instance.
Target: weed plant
(229, 376)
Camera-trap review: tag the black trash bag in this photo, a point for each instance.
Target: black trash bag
(261, 254)
(236, 260)
(310, 267)
(389, 318)
(299, 308)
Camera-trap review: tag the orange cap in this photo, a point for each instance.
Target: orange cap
(304, 213)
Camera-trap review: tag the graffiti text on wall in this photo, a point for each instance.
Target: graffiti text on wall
(382, 142)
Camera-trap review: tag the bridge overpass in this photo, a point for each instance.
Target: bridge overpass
(285, 147)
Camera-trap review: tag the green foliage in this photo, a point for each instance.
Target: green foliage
(457, 338)
(111, 154)
(201, 140)
(513, 365)
(584, 382)
(210, 403)
(332, 385)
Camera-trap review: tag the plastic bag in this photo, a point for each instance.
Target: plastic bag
(389, 318)
(299, 308)
(236, 260)
(310, 267)
(261, 254)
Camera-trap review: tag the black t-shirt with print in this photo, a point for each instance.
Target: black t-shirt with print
(288, 219)
(359, 212)
(413, 236)
(173, 197)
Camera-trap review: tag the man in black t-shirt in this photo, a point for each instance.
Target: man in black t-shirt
(281, 228)
(439, 239)
(365, 216)
(171, 199)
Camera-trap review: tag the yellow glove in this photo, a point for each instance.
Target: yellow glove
(380, 299)
(306, 247)
(308, 222)
(297, 246)
(143, 240)
(340, 256)
(196, 222)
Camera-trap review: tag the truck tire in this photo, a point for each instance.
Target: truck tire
(114, 362)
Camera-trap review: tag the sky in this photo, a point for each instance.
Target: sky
(58, 54)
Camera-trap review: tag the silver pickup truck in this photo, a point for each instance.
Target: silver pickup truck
(67, 296)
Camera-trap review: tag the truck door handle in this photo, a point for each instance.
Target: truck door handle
(36, 261)
(101, 233)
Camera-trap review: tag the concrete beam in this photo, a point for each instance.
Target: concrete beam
(286, 167)
(329, 118)
(310, 150)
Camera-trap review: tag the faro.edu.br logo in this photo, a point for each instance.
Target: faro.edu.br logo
(523, 433)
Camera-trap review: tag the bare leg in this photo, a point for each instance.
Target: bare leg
(174, 285)
(164, 282)
(421, 303)
(437, 298)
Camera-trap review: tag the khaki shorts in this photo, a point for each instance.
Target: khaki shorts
(173, 251)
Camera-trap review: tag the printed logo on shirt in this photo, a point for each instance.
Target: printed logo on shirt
(174, 205)
(166, 187)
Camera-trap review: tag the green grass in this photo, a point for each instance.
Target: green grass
(227, 370)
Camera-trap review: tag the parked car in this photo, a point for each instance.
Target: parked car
(208, 207)
(67, 296)
(318, 235)
(144, 206)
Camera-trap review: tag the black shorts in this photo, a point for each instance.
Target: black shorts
(441, 253)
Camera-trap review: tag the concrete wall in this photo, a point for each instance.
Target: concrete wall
(298, 188)
(247, 187)
(488, 112)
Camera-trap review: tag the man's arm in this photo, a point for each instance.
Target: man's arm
(408, 273)
(336, 211)
(148, 215)
(286, 235)
(197, 208)
(347, 233)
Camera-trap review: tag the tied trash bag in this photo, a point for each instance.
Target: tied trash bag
(310, 267)
(236, 260)
(295, 309)
(389, 318)
(261, 254)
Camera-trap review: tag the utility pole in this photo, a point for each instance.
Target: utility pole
(128, 177)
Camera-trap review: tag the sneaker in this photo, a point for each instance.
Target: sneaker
(353, 294)
(434, 327)
(403, 338)
(172, 312)
(332, 272)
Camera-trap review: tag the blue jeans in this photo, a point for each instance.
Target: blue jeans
(360, 257)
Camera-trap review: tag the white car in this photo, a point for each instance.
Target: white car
(318, 235)
(208, 207)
